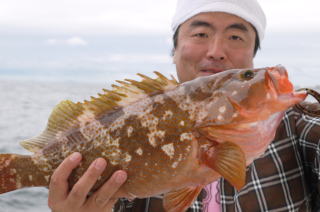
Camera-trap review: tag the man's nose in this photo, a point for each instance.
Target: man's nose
(216, 49)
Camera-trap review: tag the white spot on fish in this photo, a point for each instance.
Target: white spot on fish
(181, 123)
(114, 157)
(220, 118)
(115, 142)
(186, 136)
(129, 131)
(175, 164)
(168, 150)
(92, 130)
(167, 114)
(152, 140)
(235, 115)
(139, 151)
(149, 120)
(222, 109)
(127, 157)
(155, 134)
(234, 93)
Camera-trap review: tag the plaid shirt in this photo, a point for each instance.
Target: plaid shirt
(285, 178)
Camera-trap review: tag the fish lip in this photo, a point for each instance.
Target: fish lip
(296, 96)
(278, 80)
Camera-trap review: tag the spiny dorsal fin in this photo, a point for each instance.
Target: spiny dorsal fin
(129, 91)
(68, 114)
(63, 117)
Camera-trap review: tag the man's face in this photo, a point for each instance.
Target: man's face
(212, 42)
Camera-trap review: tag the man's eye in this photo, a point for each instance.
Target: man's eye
(200, 35)
(235, 37)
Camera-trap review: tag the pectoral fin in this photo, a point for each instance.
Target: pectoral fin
(228, 159)
(180, 200)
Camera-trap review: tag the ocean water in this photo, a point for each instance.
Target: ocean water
(24, 109)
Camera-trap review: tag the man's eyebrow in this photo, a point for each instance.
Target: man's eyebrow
(197, 23)
(239, 26)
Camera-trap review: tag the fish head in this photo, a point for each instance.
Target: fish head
(246, 107)
(248, 95)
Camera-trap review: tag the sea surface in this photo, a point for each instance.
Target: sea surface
(24, 109)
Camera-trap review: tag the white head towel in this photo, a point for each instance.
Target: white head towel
(248, 10)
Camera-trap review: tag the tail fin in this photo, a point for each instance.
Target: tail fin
(18, 171)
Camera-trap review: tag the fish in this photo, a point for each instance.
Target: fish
(171, 138)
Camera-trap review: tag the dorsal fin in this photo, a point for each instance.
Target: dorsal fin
(67, 114)
(129, 91)
(63, 117)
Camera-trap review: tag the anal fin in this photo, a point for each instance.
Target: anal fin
(180, 200)
(228, 159)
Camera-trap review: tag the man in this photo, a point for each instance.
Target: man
(211, 36)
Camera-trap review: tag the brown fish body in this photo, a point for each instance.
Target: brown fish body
(169, 138)
(153, 140)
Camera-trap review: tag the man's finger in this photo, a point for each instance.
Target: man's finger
(58, 187)
(107, 191)
(80, 190)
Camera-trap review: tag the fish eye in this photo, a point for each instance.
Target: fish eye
(247, 75)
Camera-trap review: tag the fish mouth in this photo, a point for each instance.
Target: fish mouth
(278, 84)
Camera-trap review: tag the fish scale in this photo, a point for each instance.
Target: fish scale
(170, 138)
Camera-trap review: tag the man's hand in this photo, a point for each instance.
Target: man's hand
(62, 200)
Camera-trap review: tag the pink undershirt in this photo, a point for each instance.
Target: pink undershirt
(210, 203)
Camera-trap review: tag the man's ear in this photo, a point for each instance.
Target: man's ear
(174, 56)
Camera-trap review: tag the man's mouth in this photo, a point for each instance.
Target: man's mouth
(205, 72)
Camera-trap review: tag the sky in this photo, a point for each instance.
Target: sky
(127, 16)
(110, 38)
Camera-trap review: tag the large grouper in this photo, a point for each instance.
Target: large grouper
(170, 138)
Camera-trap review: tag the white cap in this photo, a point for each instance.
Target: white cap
(248, 10)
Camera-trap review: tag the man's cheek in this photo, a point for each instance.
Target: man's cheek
(191, 53)
(243, 59)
